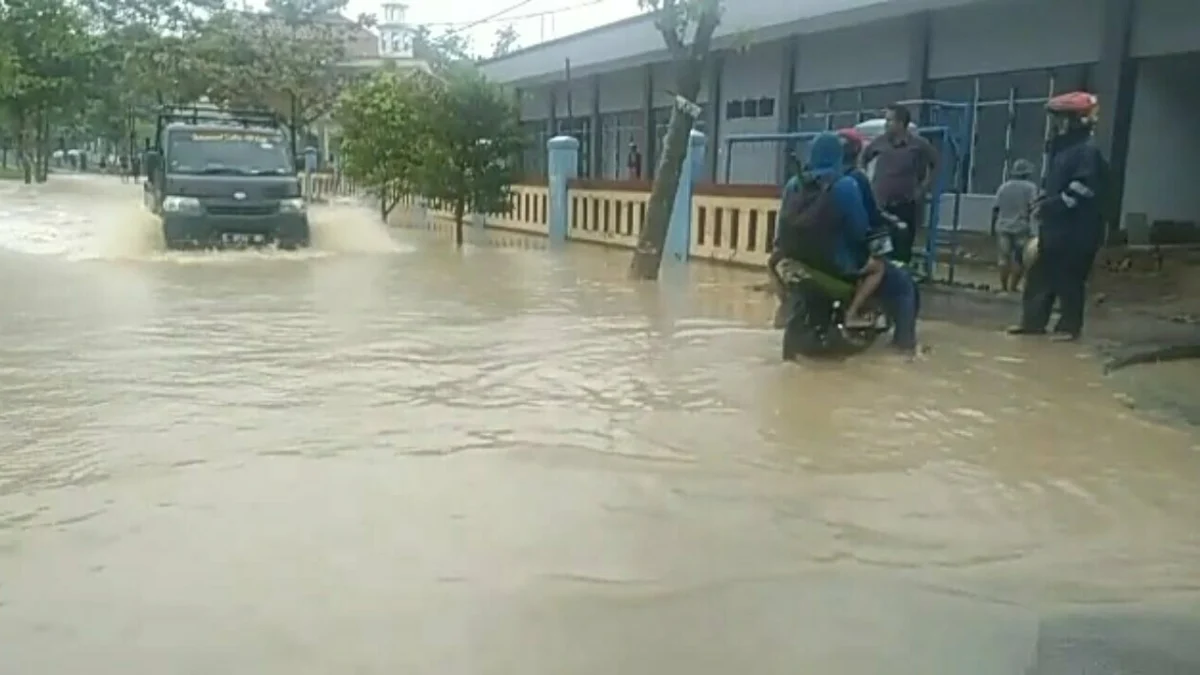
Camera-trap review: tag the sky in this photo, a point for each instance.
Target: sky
(534, 20)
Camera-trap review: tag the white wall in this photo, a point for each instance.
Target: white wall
(752, 73)
(581, 98)
(1008, 35)
(1164, 145)
(535, 103)
(1166, 27)
(874, 53)
(622, 91)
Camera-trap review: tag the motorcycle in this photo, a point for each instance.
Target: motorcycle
(813, 309)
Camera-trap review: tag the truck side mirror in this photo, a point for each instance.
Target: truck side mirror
(153, 162)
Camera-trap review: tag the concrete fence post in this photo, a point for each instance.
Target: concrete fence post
(563, 164)
(310, 165)
(679, 231)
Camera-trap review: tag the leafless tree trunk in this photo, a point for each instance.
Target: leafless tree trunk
(691, 63)
(460, 209)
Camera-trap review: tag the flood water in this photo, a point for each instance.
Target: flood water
(386, 456)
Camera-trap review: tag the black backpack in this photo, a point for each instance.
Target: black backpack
(808, 224)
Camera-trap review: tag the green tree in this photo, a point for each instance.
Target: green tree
(474, 137)
(385, 134)
(442, 51)
(158, 16)
(290, 60)
(48, 58)
(506, 41)
(687, 27)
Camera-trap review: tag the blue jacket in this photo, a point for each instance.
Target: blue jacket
(826, 160)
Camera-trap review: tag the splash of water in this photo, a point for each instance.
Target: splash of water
(348, 227)
(98, 218)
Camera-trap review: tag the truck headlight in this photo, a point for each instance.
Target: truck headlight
(181, 205)
(295, 205)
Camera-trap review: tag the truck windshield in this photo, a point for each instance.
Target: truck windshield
(237, 151)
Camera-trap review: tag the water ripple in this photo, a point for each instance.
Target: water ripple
(386, 423)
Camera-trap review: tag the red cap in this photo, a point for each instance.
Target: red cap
(852, 135)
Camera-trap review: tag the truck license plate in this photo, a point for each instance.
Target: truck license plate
(238, 239)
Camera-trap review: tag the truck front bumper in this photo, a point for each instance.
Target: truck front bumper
(204, 231)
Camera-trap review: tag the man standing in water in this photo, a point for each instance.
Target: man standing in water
(905, 164)
(1072, 220)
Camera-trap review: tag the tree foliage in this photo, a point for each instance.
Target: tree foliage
(385, 134)
(67, 66)
(96, 69)
(450, 137)
(442, 51)
(47, 55)
(289, 59)
(687, 27)
(475, 138)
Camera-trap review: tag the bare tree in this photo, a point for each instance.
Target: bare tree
(506, 41)
(687, 27)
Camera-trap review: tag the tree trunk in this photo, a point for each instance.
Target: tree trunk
(23, 145)
(43, 167)
(389, 198)
(647, 257)
(690, 62)
(460, 209)
(293, 123)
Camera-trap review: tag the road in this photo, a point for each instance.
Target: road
(386, 456)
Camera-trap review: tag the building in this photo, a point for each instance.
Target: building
(390, 46)
(783, 65)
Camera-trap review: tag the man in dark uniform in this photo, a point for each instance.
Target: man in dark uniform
(1072, 220)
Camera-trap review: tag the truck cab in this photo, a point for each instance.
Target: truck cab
(224, 178)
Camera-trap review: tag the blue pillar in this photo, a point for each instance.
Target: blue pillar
(563, 163)
(679, 231)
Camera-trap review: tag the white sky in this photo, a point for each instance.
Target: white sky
(567, 17)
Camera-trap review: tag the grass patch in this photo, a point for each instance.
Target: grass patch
(11, 173)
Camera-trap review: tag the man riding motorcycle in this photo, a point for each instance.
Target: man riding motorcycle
(1072, 219)
(823, 239)
(853, 143)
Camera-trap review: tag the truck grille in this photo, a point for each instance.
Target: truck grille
(242, 209)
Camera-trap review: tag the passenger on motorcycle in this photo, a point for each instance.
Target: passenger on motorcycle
(826, 224)
(871, 275)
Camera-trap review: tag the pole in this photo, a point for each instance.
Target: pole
(571, 112)
(570, 109)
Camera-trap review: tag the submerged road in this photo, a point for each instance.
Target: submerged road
(385, 456)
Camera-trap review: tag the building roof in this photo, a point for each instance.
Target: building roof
(634, 41)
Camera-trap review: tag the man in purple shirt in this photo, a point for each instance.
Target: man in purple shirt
(905, 165)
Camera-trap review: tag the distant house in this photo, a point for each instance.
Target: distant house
(390, 45)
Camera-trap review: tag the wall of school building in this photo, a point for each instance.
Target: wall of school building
(1010, 55)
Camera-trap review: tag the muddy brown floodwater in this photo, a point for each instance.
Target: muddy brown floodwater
(383, 456)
